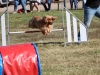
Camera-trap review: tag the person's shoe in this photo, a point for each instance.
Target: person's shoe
(31, 11)
(25, 12)
(76, 8)
(79, 41)
(47, 10)
(14, 12)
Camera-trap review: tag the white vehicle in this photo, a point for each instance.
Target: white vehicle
(4, 2)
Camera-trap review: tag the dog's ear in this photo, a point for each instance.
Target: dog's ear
(34, 17)
(53, 18)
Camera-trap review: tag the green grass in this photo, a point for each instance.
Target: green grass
(55, 59)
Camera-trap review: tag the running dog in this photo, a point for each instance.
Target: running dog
(44, 24)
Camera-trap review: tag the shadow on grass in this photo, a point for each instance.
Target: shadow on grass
(52, 43)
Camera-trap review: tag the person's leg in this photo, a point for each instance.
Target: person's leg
(49, 4)
(15, 5)
(37, 6)
(98, 12)
(88, 15)
(75, 4)
(31, 7)
(83, 2)
(23, 3)
(44, 5)
(71, 4)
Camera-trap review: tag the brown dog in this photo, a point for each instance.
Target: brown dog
(44, 24)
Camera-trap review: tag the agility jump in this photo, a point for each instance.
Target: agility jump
(72, 23)
(3, 30)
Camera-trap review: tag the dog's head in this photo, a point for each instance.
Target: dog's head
(49, 19)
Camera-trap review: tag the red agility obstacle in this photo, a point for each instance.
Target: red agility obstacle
(21, 59)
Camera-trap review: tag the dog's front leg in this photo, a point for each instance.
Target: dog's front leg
(50, 27)
(44, 30)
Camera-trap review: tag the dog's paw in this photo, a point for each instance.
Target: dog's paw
(50, 27)
(45, 31)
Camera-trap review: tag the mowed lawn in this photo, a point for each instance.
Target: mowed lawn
(83, 59)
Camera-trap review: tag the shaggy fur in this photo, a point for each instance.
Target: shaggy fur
(44, 24)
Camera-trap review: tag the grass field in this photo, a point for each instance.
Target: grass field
(83, 59)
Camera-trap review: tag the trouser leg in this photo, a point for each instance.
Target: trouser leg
(49, 6)
(44, 5)
(31, 6)
(16, 5)
(23, 3)
(88, 16)
(71, 4)
(97, 14)
(75, 4)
